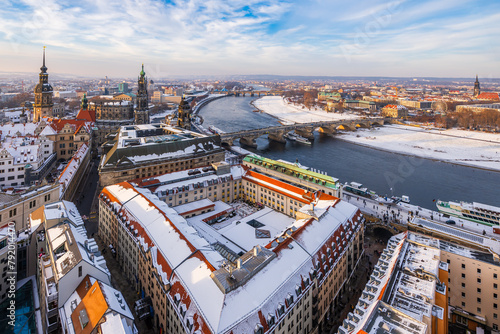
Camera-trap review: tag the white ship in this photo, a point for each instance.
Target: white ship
(476, 212)
(295, 137)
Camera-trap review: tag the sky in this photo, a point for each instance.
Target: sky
(446, 38)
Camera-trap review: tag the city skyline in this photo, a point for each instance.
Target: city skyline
(399, 38)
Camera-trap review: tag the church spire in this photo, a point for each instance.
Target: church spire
(43, 68)
(84, 103)
(477, 87)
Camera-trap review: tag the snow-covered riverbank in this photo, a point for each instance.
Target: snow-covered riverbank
(475, 149)
(471, 148)
(289, 113)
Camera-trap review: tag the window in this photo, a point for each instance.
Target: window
(12, 213)
(495, 327)
(463, 285)
(479, 300)
(47, 198)
(494, 295)
(463, 266)
(495, 306)
(461, 320)
(478, 270)
(495, 276)
(479, 280)
(478, 310)
(478, 290)
(495, 286)
(80, 271)
(463, 294)
(463, 275)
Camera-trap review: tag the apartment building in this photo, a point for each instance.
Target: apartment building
(265, 272)
(74, 172)
(141, 151)
(67, 256)
(474, 266)
(220, 181)
(407, 291)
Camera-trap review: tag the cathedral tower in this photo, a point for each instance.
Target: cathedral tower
(184, 115)
(141, 111)
(477, 88)
(43, 95)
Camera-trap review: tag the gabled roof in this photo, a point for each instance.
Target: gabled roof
(58, 124)
(86, 115)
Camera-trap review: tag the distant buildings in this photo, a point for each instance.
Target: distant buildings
(395, 111)
(478, 107)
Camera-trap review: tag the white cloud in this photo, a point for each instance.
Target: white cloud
(246, 36)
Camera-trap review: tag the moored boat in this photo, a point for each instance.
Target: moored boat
(476, 212)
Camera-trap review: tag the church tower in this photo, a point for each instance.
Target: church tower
(477, 88)
(141, 111)
(184, 115)
(43, 95)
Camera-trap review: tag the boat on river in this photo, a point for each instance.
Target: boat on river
(476, 212)
(295, 137)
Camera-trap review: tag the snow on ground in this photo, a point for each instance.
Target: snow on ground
(470, 148)
(289, 113)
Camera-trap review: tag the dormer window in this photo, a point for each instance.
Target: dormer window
(298, 290)
(258, 329)
(182, 310)
(189, 323)
(306, 281)
(271, 320)
(289, 299)
(177, 299)
(281, 309)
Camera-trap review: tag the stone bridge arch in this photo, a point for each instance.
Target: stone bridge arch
(364, 125)
(346, 127)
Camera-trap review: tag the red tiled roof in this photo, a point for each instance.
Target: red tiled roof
(58, 124)
(488, 96)
(86, 115)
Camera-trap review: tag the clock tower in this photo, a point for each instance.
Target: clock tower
(43, 95)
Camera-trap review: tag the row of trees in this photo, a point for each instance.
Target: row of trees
(488, 119)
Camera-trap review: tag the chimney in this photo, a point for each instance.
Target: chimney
(256, 250)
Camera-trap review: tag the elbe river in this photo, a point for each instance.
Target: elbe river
(422, 179)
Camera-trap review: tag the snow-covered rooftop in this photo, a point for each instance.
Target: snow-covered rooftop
(269, 280)
(401, 292)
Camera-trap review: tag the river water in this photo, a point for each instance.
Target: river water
(421, 179)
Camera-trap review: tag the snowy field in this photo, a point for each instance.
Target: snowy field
(289, 113)
(476, 149)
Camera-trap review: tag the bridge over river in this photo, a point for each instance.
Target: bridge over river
(277, 133)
